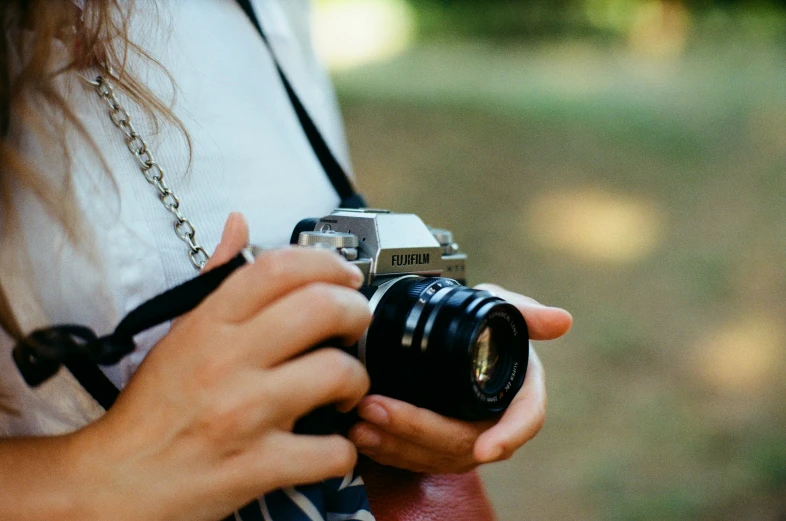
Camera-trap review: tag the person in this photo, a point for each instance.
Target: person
(203, 423)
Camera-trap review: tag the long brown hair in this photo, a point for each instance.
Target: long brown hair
(94, 34)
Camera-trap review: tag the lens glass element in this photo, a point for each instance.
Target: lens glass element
(485, 355)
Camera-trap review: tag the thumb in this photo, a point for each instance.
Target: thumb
(233, 239)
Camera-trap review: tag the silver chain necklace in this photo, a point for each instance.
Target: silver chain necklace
(151, 170)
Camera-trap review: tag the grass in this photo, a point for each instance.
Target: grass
(666, 400)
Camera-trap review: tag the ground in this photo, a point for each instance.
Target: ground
(644, 194)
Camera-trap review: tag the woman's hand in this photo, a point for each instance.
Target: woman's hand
(204, 426)
(405, 436)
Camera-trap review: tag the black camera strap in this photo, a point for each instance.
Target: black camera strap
(41, 354)
(338, 177)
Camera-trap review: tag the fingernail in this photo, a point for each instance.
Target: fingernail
(368, 439)
(357, 276)
(375, 414)
(231, 223)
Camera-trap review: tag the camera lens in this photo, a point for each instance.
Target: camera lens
(485, 355)
(437, 344)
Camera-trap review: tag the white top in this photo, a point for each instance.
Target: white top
(249, 155)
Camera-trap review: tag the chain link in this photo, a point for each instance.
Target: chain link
(151, 170)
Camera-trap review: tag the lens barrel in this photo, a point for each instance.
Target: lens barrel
(440, 345)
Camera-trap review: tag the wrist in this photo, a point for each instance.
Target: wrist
(95, 461)
(44, 478)
(85, 469)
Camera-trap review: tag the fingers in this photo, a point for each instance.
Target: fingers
(522, 420)
(543, 322)
(305, 318)
(403, 435)
(398, 452)
(284, 459)
(400, 434)
(273, 275)
(326, 376)
(315, 458)
(233, 239)
(419, 425)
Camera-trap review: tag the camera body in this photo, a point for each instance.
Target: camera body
(383, 244)
(432, 341)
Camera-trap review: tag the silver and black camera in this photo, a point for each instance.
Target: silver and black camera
(432, 341)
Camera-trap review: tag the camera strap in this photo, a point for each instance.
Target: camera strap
(338, 177)
(42, 353)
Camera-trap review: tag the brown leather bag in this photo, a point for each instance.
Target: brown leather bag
(400, 495)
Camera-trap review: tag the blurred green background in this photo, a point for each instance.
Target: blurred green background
(623, 159)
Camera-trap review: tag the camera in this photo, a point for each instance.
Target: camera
(432, 341)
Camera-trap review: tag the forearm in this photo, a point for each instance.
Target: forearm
(197, 434)
(40, 478)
